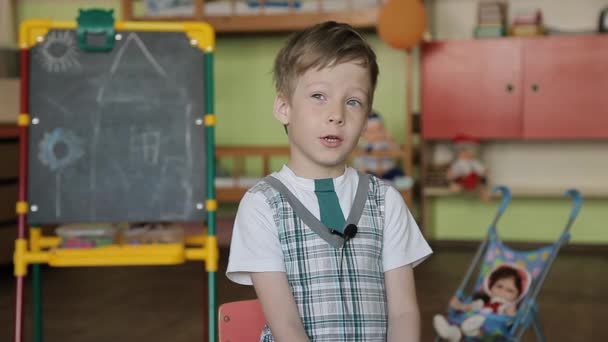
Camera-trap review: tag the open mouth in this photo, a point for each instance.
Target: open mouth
(331, 138)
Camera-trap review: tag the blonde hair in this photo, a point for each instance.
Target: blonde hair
(320, 46)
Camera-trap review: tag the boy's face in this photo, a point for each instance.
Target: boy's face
(505, 288)
(324, 117)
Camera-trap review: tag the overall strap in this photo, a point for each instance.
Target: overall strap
(312, 222)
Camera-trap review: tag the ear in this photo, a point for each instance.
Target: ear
(281, 109)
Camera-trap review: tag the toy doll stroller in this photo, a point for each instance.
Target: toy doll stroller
(493, 252)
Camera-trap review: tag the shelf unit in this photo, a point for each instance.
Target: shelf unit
(292, 19)
(46, 250)
(513, 90)
(524, 192)
(516, 88)
(9, 156)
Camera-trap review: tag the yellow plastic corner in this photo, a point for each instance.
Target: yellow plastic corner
(33, 31)
(211, 205)
(196, 254)
(213, 253)
(21, 208)
(202, 35)
(196, 240)
(49, 241)
(148, 26)
(165, 254)
(35, 236)
(19, 257)
(38, 241)
(210, 120)
(23, 119)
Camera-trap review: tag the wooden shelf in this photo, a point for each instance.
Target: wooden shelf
(238, 154)
(9, 131)
(364, 18)
(521, 192)
(9, 111)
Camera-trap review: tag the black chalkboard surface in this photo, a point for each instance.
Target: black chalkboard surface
(117, 136)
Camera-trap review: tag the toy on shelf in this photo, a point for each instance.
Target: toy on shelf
(376, 139)
(279, 3)
(527, 23)
(151, 233)
(603, 21)
(491, 19)
(466, 172)
(87, 235)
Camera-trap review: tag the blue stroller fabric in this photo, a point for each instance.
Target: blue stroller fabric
(498, 253)
(493, 253)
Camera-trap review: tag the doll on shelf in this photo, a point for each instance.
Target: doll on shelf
(466, 172)
(376, 138)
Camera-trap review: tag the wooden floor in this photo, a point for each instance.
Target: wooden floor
(165, 303)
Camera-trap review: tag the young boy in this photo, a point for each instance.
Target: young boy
(329, 251)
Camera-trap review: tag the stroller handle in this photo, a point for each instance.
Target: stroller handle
(577, 200)
(506, 198)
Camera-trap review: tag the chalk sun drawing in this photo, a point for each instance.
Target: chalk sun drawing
(59, 52)
(57, 150)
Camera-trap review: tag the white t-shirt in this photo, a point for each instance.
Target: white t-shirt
(255, 245)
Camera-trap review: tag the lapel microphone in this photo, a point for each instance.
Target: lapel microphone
(349, 232)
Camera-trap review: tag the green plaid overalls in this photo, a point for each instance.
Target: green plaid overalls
(336, 303)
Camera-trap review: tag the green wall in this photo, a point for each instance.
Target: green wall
(526, 219)
(244, 96)
(244, 90)
(61, 9)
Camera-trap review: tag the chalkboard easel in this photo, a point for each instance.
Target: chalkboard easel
(121, 131)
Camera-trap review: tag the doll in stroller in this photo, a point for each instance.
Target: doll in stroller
(503, 288)
(503, 303)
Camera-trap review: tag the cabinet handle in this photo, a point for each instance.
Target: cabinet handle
(509, 87)
(535, 87)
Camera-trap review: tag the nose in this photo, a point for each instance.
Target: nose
(336, 116)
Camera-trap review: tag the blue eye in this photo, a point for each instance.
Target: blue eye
(318, 96)
(354, 102)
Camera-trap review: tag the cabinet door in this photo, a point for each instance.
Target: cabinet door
(566, 87)
(472, 87)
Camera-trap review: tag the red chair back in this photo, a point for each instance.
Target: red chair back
(241, 321)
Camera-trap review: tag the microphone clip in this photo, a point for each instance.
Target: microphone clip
(349, 232)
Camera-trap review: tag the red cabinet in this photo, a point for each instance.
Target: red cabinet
(539, 88)
(566, 93)
(472, 87)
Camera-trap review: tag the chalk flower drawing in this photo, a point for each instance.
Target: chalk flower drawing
(59, 149)
(59, 52)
